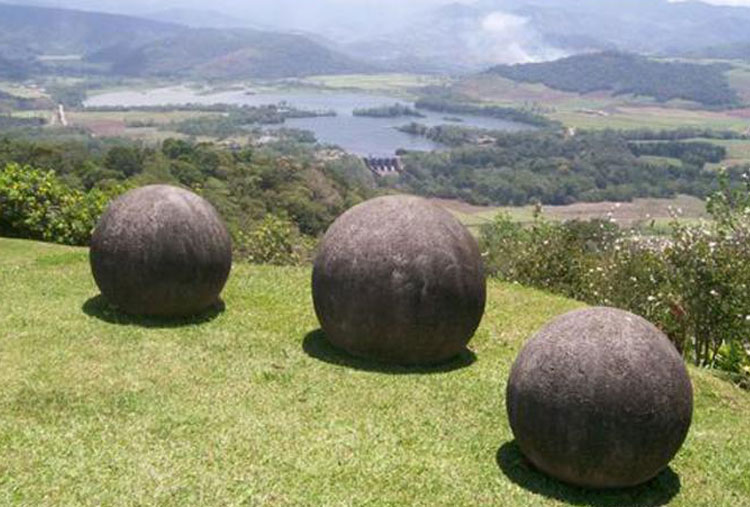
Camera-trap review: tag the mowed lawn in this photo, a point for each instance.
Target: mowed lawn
(250, 406)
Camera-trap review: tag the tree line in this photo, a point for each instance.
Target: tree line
(555, 168)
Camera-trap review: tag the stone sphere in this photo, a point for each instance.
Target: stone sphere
(600, 398)
(399, 280)
(161, 251)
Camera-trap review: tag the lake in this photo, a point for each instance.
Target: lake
(356, 134)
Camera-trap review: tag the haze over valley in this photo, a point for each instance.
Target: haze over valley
(447, 87)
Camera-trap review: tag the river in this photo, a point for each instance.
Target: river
(360, 135)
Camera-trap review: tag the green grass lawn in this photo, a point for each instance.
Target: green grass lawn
(251, 406)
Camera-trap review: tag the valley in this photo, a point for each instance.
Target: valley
(254, 88)
(594, 153)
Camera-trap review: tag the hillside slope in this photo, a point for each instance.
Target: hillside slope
(251, 406)
(628, 73)
(129, 46)
(48, 31)
(230, 54)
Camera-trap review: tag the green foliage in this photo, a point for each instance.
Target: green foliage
(623, 73)
(35, 204)
(10, 103)
(448, 135)
(236, 120)
(681, 134)
(274, 241)
(12, 122)
(553, 168)
(68, 95)
(694, 284)
(14, 68)
(394, 111)
(126, 160)
(245, 186)
(568, 252)
(451, 106)
(697, 153)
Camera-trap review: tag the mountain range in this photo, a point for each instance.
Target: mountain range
(470, 36)
(280, 38)
(129, 46)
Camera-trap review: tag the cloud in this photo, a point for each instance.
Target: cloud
(508, 38)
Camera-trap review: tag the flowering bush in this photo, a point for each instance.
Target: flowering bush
(36, 205)
(694, 283)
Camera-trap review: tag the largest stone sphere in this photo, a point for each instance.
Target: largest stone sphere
(600, 398)
(161, 251)
(398, 279)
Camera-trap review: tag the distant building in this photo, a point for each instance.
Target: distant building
(384, 166)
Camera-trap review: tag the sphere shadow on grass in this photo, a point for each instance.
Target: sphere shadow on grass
(658, 491)
(317, 346)
(99, 308)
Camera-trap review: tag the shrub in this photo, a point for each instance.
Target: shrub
(35, 204)
(274, 241)
(694, 284)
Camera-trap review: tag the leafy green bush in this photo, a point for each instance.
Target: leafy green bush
(35, 204)
(694, 284)
(275, 241)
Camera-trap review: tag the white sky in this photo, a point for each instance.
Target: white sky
(743, 3)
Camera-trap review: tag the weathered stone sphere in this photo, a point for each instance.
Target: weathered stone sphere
(600, 398)
(161, 251)
(399, 280)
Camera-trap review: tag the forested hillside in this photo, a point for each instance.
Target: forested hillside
(105, 44)
(286, 193)
(30, 31)
(622, 73)
(227, 54)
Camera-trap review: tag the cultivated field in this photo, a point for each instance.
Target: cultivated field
(627, 214)
(399, 84)
(602, 110)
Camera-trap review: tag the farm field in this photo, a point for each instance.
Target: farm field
(640, 211)
(251, 406)
(653, 116)
(738, 152)
(20, 90)
(400, 84)
(141, 125)
(601, 110)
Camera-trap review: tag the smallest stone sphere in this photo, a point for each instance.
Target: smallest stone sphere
(161, 251)
(600, 398)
